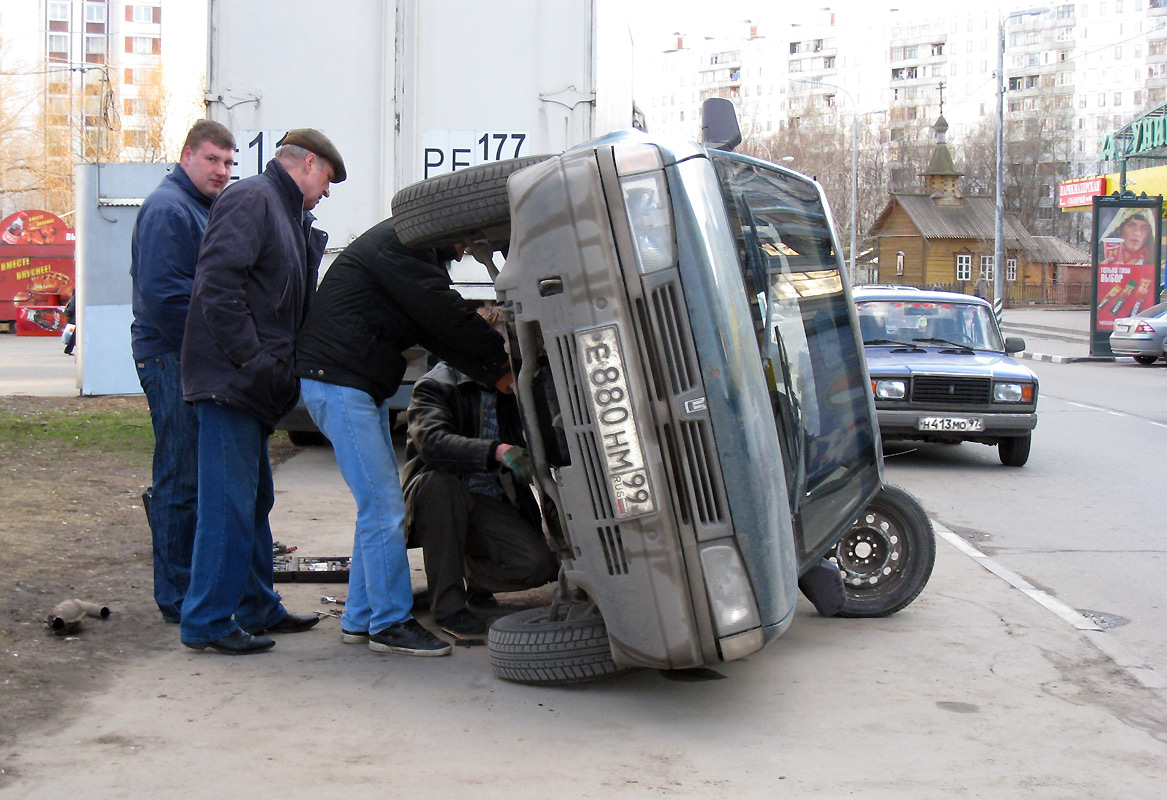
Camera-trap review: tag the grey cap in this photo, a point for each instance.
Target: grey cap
(316, 142)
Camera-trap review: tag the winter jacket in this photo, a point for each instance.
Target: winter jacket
(163, 252)
(255, 277)
(380, 298)
(445, 422)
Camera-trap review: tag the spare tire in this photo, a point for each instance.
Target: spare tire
(468, 204)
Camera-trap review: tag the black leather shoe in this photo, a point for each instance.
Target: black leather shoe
(237, 643)
(291, 623)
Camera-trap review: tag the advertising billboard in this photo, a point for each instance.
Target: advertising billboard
(36, 263)
(1126, 261)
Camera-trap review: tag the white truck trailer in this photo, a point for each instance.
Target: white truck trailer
(407, 89)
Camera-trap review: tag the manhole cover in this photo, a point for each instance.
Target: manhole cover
(1102, 619)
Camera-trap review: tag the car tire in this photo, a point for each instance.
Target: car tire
(887, 555)
(1014, 451)
(545, 646)
(1146, 360)
(471, 203)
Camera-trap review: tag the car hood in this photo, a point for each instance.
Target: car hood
(887, 361)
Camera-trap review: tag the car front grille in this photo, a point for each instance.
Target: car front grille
(689, 448)
(941, 390)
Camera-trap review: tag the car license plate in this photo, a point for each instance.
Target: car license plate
(615, 419)
(954, 424)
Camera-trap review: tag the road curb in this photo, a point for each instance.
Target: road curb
(1070, 359)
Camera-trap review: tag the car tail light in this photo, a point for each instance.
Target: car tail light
(1143, 327)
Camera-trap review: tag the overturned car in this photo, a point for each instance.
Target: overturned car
(695, 400)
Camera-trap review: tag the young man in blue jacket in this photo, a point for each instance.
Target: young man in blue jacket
(164, 249)
(255, 276)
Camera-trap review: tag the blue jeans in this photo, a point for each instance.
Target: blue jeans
(174, 496)
(380, 592)
(231, 568)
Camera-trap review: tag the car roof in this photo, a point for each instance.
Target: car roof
(912, 294)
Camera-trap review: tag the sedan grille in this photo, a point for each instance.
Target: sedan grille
(936, 389)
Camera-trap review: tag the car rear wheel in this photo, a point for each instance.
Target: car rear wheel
(1146, 360)
(562, 643)
(1014, 452)
(470, 204)
(886, 557)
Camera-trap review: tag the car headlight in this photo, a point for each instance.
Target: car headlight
(646, 201)
(887, 389)
(731, 597)
(1012, 392)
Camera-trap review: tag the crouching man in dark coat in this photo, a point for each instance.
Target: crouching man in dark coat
(468, 505)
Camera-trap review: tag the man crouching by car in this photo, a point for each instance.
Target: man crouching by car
(468, 503)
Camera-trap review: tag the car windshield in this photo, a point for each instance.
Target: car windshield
(814, 368)
(928, 323)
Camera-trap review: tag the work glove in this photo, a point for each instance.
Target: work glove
(518, 461)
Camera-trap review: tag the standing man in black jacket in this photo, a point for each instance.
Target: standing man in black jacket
(255, 276)
(378, 299)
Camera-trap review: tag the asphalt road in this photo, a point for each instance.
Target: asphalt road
(978, 689)
(1083, 520)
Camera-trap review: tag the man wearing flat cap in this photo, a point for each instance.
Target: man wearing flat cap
(255, 276)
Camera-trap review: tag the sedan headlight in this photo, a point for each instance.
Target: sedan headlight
(646, 201)
(730, 596)
(888, 389)
(1012, 392)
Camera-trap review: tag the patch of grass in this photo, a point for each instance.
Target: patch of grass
(106, 428)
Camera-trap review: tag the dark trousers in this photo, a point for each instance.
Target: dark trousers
(174, 500)
(475, 539)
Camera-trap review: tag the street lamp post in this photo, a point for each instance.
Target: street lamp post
(999, 220)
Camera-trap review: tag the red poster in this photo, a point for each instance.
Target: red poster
(1126, 264)
(36, 262)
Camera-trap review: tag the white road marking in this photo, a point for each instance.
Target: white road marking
(1136, 668)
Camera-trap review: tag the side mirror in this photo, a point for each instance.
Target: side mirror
(719, 128)
(1014, 344)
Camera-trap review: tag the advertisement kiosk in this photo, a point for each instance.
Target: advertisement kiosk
(1126, 261)
(37, 273)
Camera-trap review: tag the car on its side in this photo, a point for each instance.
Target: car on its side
(1143, 335)
(941, 371)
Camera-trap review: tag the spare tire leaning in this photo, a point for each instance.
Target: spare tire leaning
(468, 204)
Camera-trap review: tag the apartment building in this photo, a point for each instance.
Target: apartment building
(1073, 73)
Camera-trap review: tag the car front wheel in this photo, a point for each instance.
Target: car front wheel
(562, 643)
(887, 556)
(1014, 452)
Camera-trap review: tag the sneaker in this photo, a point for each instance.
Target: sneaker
(353, 637)
(463, 624)
(408, 638)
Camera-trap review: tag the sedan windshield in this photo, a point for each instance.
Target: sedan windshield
(928, 323)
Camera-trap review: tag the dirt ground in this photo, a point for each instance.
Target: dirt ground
(72, 526)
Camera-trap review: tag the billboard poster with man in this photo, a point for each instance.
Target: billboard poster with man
(1126, 262)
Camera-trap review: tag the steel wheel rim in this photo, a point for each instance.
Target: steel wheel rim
(871, 552)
